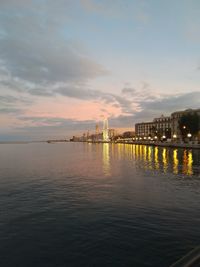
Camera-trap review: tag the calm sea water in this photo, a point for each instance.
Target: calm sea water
(76, 204)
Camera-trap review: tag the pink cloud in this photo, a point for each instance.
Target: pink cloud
(73, 109)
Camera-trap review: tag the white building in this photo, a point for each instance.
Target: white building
(105, 130)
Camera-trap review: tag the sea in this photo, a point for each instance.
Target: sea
(85, 204)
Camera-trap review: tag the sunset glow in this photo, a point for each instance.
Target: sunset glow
(65, 62)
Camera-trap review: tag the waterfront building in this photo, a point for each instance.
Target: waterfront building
(158, 128)
(164, 127)
(144, 129)
(75, 139)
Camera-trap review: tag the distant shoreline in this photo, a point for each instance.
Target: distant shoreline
(19, 142)
(159, 144)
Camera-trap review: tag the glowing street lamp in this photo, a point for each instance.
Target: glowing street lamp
(163, 136)
(156, 137)
(189, 135)
(174, 136)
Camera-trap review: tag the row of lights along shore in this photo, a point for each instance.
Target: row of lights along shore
(189, 135)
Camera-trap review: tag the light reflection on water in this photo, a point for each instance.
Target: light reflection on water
(106, 159)
(176, 162)
(166, 160)
(79, 204)
(156, 159)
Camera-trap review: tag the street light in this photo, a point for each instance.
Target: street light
(174, 136)
(189, 135)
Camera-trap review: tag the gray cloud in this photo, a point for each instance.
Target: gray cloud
(140, 95)
(13, 104)
(40, 92)
(128, 91)
(9, 99)
(32, 50)
(169, 104)
(126, 105)
(157, 107)
(9, 110)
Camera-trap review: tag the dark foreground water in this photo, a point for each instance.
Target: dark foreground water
(76, 204)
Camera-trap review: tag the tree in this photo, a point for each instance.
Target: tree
(189, 123)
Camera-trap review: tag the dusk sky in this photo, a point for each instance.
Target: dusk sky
(66, 64)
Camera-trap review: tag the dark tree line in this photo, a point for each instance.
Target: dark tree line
(189, 123)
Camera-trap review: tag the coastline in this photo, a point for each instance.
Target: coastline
(158, 144)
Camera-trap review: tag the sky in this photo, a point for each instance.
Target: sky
(67, 64)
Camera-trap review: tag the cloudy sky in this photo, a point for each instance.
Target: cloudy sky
(66, 64)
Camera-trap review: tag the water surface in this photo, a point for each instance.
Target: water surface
(78, 204)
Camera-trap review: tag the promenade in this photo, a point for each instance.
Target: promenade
(162, 144)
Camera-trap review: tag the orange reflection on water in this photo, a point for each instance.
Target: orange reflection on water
(149, 157)
(164, 157)
(175, 161)
(137, 152)
(120, 150)
(128, 151)
(145, 153)
(190, 163)
(156, 158)
(106, 159)
(187, 163)
(140, 152)
(133, 152)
